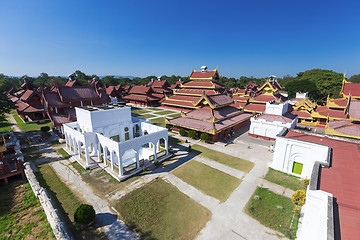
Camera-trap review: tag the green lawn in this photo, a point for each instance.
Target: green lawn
(165, 112)
(209, 180)
(140, 111)
(273, 211)
(234, 162)
(29, 127)
(176, 115)
(284, 179)
(174, 141)
(21, 215)
(160, 211)
(5, 126)
(146, 116)
(155, 109)
(63, 153)
(158, 121)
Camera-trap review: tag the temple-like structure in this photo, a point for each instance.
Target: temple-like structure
(109, 136)
(143, 96)
(160, 87)
(188, 97)
(61, 100)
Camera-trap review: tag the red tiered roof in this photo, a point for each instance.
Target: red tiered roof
(240, 99)
(184, 98)
(342, 180)
(196, 91)
(238, 104)
(219, 100)
(77, 93)
(206, 113)
(201, 75)
(352, 89)
(140, 90)
(325, 111)
(205, 84)
(354, 109)
(178, 103)
(255, 107)
(302, 114)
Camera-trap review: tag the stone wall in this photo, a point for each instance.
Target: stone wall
(57, 224)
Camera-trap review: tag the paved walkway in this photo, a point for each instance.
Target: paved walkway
(277, 188)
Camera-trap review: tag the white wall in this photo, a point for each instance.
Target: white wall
(268, 129)
(315, 212)
(288, 151)
(276, 108)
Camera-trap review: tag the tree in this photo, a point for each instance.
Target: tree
(355, 78)
(298, 198)
(182, 132)
(84, 214)
(191, 134)
(5, 104)
(302, 86)
(204, 137)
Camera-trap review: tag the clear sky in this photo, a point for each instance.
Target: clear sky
(140, 38)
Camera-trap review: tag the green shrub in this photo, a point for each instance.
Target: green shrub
(84, 214)
(144, 168)
(45, 129)
(306, 183)
(191, 134)
(168, 126)
(204, 137)
(156, 162)
(182, 132)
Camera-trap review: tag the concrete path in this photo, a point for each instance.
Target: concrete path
(287, 192)
(203, 199)
(11, 120)
(221, 167)
(111, 225)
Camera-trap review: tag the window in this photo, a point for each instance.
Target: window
(127, 137)
(297, 168)
(126, 129)
(115, 138)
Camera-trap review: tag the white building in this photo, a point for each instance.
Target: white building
(109, 136)
(270, 123)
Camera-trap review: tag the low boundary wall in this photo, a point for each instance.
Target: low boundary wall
(60, 229)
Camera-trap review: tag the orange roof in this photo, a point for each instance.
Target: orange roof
(254, 107)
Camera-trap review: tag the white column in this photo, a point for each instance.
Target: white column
(137, 158)
(87, 155)
(112, 160)
(155, 155)
(98, 152)
(166, 146)
(105, 155)
(121, 172)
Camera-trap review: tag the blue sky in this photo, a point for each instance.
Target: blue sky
(141, 38)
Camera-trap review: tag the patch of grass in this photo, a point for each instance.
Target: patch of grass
(174, 115)
(159, 210)
(155, 109)
(30, 127)
(273, 211)
(234, 162)
(160, 121)
(283, 179)
(209, 180)
(63, 153)
(5, 126)
(165, 112)
(146, 116)
(101, 182)
(140, 111)
(29, 149)
(21, 215)
(32, 156)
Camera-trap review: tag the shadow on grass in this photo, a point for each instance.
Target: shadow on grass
(146, 235)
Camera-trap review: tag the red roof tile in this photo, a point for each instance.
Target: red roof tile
(240, 99)
(302, 114)
(184, 98)
(204, 84)
(239, 105)
(21, 106)
(78, 93)
(341, 102)
(352, 89)
(202, 75)
(27, 95)
(255, 107)
(140, 90)
(198, 92)
(34, 108)
(219, 100)
(104, 98)
(178, 103)
(265, 98)
(325, 111)
(53, 99)
(205, 113)
(354, 109)
(141, 98)
(342, 180)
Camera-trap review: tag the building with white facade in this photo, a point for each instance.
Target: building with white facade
(270, 123)
(107, 135)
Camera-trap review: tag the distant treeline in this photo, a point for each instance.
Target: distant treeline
(319, 83)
